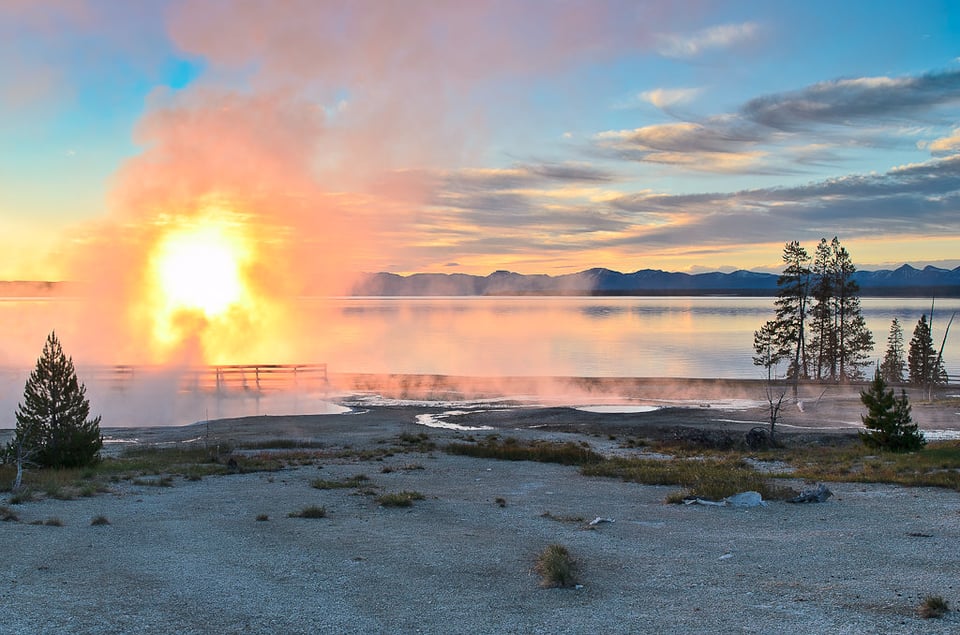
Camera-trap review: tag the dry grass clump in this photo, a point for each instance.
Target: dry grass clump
(99, 521)
(556, 567)
(8, 515)
(511, 449)
(262, 518)
(53, 521)
(933, 606)
(399, 499)
(311, 511)
(706, 478)
(353, 481)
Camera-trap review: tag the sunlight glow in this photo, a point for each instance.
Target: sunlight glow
(199, 269)
(197, 277)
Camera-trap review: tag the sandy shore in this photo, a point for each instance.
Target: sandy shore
(193, 558)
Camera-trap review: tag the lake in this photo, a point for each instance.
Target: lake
(473, 336)
(582, 336)
(492, 336)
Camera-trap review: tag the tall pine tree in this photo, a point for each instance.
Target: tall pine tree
(784, 337)
(854, 339)
(53, 428)
(924, 364)
(891, 368)
(840, 340)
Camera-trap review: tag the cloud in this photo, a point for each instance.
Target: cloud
(666, 97)
(917, 199)
(721, 144)
(854, 102)
(945, 145)
(722, 36)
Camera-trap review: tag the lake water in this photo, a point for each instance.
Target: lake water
(596, 336)
(559, 336)
(473, 336)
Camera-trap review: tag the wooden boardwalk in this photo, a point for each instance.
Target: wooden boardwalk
(258, 378)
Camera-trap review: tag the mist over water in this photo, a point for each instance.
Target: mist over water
(685, 337)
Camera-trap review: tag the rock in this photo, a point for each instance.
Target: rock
(746, 499)
(815, 495)
(598, 520)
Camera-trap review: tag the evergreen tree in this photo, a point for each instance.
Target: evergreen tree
(52, 424)
(854, 339)
(822, 335)
(784, 336)
(791, 306)
(891, 368)
(888, 422)
(924, 364)
(840, 339)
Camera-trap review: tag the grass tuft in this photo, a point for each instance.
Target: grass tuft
(99, 520)
(933, 606)
(556, 567)
(262, 518)
(53, 521)
(8, 515)
(353, 481)
(399, 499)
(312, 511)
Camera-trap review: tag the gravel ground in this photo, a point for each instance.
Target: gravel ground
(193, 558)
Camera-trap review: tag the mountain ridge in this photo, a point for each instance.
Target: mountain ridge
(905, 280)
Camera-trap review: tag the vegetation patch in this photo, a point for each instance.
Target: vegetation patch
(8, 515)
(53, 521)
(99, 520)
(933, 606)
(163, 481)
(707, 478)
(311, 511)
(560, 518)
(416, 442)
(262, 518)
(556, 567)
(511, 449)
(354, 481)
(399, 499)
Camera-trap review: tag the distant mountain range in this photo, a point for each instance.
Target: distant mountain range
(903, 281)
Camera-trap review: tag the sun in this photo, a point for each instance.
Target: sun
(197, 281)
(200, 269)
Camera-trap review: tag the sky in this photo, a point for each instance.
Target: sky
(314, 139)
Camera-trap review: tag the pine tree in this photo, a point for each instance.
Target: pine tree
(854, 339)
(840, 340)
(924, 364)
(891, 368)
(823, 343)
(784, 336)
(888, 422)
(53, 428)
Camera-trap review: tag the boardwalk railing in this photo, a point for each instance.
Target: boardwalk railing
(258, 378)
